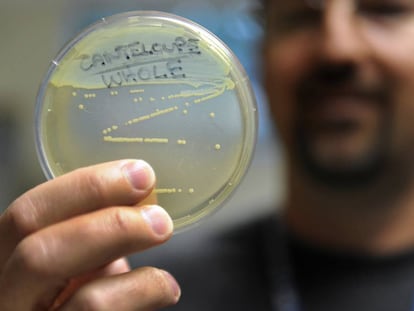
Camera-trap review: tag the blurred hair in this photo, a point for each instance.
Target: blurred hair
(264, 3)
(259, 10)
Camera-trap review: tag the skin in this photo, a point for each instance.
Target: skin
(340, 85)
(73, 232)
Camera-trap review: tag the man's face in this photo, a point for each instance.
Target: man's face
(340, 80)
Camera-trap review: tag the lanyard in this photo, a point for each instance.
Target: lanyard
(284, 296)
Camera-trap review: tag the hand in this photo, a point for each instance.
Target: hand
(62, 243)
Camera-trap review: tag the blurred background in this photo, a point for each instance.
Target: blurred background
(32, 33)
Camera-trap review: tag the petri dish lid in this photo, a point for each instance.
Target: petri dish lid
(153, 86)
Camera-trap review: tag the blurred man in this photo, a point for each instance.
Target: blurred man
(340, 80)
(339, 75)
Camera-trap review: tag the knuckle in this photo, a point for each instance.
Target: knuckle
(120, 220)
(89, 299)
(93, 184)
(21, 215)
(32, 256)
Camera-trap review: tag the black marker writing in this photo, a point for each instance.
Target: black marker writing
(134, 51)
(170, 69)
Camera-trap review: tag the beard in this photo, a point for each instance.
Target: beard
(341, 170)
(356, 172)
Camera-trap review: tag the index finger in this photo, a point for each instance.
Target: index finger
(125, 182)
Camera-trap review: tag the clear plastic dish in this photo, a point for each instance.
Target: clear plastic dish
(157, 87)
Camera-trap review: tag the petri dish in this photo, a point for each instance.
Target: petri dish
(154, 86)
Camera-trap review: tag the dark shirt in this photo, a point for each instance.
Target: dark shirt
(341, 281)
(245, 269)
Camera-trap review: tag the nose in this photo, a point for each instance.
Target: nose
(341, 39)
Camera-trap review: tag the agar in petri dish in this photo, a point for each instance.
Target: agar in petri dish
(153, 86)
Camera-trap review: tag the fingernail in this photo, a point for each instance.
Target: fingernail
(174, 285)
(158, 219)
(140, 174)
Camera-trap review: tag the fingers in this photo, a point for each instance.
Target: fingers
(141, 290)
(76, 246)
(117, 267)
(57, 240)
(117, 183)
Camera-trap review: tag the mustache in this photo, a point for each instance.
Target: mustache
(331, 81)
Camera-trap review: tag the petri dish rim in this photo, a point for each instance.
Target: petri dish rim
(249, 111)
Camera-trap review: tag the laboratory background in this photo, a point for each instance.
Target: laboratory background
(33, 32)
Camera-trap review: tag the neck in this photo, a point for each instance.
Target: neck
(377, 220)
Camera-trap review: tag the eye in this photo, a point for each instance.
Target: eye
(297, 20)
(384, 8)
